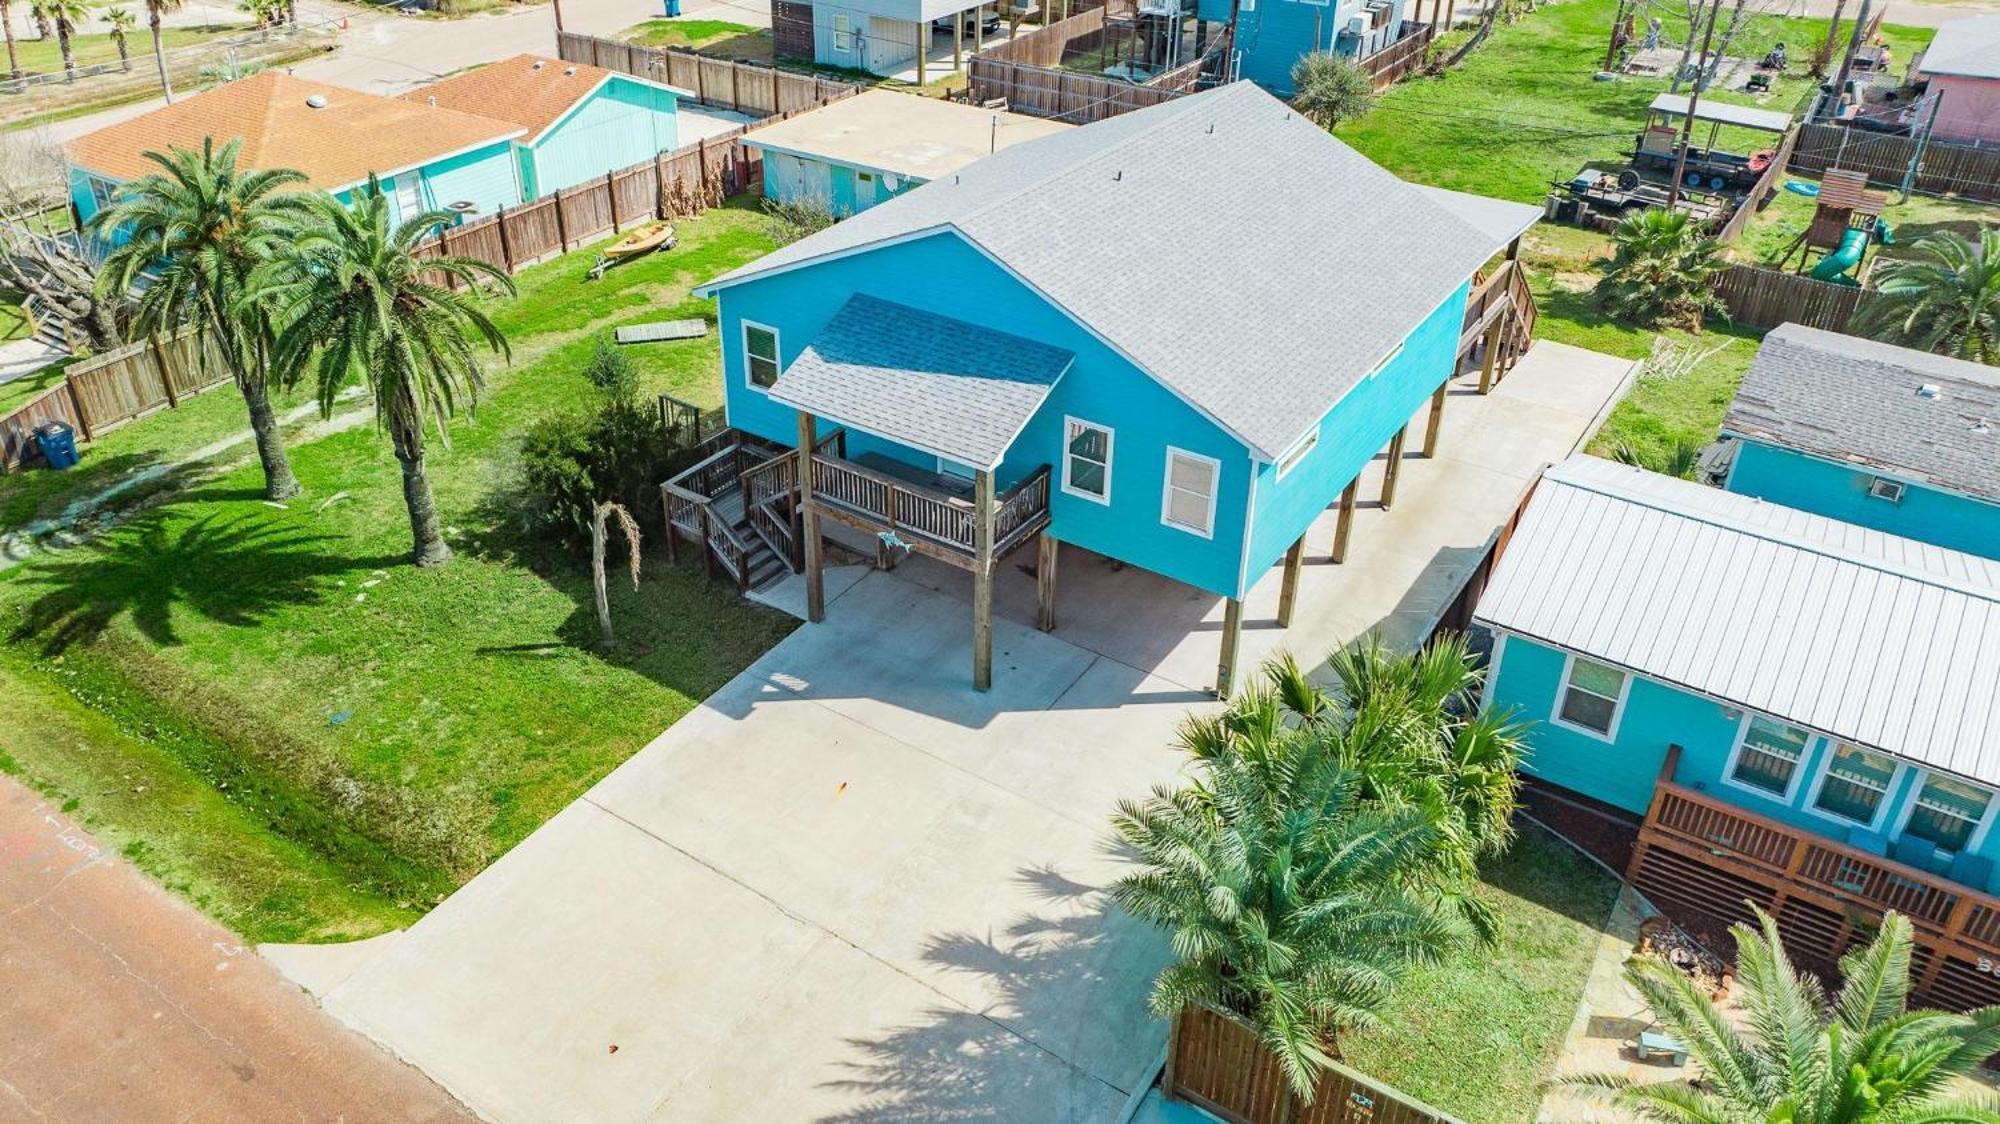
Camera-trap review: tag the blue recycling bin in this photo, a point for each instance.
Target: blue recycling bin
(673, 8)
(58, 444)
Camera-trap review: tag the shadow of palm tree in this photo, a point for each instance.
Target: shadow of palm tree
(231, 572)
(1064, 1036)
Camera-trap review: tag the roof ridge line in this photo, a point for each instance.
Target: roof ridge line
(1612, 490)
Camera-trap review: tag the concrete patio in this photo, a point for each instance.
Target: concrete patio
(849, 887)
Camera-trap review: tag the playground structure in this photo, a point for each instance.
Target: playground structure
(1847, 220)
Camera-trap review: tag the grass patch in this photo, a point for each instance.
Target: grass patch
(717, 38)
(1681, 399)
(1476, 1036)
(398, 728)
(1789, 214)
(44, 56)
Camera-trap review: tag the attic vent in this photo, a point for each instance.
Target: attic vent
(432, 99)
(569, 71)
(537, 66)
(1930, 391)
(316, 101)
(1981, 428)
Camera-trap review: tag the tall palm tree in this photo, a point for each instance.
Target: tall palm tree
(7, 26)
(156, 11)
(356, 302)
(198, 228)
(1800, 1057)
(64, 16)
(1282, 890)
(122, 23)
(1946, 299)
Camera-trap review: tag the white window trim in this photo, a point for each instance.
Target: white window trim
(1798, 767)
(1617, 708)
(1825, 770)
(777, 345)
(1167, 491)
(1110, 444)
(843, 33)
(1301, 449)
(1916, 789)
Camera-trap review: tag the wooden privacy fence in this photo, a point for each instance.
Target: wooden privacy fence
(1391, 64)
(1765, 298)
(1049, 46)
(742, 87)
(1968, 170)
(1079, 99)
(1217, 1063)
(110, 389)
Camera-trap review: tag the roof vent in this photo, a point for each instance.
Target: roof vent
(537, 66)
(431, 100)
(1930, 390)
(1981, 427)
(317, 101)
(569, 71)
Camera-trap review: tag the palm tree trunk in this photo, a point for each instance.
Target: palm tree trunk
(427, 538)
(159, 53)
(62, 40)
(7, 24)
(279, 483)
(124, 57)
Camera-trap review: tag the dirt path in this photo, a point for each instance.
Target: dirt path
(119, 1001)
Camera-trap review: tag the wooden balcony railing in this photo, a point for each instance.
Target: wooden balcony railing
(939, 519)
(1792, 863)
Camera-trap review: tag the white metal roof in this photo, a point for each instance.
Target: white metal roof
(1750, 117)
(1877, 640)
(1968, 47)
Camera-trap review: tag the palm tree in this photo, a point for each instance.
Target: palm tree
(1410, 726)
(1800, 1057)
(156, 11)
(7, 26)
(1282, 890)
(197, 228)
(1662, 271)
(64, 15)
(1946, 300)
(121, 22)
(355, 301)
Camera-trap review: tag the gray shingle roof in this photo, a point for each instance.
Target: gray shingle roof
(1968, 47)
(1242, 256)
(1872, 638)
(1858, 401)
(950, 388)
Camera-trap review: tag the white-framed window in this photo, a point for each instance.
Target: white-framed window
(1592, 698)
(1883, 488)
(1854, 784)
(1298, 452)
(843, 32)
(408, 191)
(102, 192)
(1767, 755)
(760, 355)
(1086, 460)
(1948, 812)
(1187, 502)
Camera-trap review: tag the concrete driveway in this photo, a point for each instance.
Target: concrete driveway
(847, 887)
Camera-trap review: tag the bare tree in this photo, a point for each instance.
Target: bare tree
(56, 268)
(599, 532)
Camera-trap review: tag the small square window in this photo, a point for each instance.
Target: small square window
(1189, 500)
(1086, 460)
(1591, 696)
(1855, 784)
(1883, 488)
(760, 354)
(1948, 812)
(1768, 756)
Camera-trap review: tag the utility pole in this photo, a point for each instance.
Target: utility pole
(559, 27)
(1847, 60)
(1611, 45)
(1694, 101)
(1923, 141)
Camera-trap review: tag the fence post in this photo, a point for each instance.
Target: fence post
(562, 228)
(700, 81)
(735, 97)
(611, 193)
(166, 371)
(76, 403)
(506, 244)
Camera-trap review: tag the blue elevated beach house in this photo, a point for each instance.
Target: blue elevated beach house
(1873, 434)
(1761, 703)
(1171, 338)
(1272, 35)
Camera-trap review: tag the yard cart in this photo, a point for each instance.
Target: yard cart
(1658, 145)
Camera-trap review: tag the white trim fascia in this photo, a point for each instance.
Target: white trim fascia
(1827, 746)
(1617, 707)
(734, 278)
(1790, 795)
(1249, 527)
(914, 179)
(1167, 491)
(1492, 670)
(426, 162)
(1110, 453)
(1376, 367)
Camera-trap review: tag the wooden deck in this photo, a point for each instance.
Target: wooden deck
(1702, 859)
(929, 520)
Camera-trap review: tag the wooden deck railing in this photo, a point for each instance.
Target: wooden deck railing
(937, 517)
(692, 499)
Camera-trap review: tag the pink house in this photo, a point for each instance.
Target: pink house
(1963, 65)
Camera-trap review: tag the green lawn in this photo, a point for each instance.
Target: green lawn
(717, 38)
(370, 734)
(44, 56)
(1789, 213)
(1479, 1034)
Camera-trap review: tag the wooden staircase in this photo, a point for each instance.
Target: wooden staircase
(739, 504)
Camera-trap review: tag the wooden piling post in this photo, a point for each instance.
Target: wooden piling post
(1232, 646)
(1394, 468)
(1343, 529)
(815, 580)
(1492, 349)
(982, 580)
(1045, 582)
(1437, 419)
(1288, 594)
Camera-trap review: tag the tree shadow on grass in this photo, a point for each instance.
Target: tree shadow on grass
(233, 572)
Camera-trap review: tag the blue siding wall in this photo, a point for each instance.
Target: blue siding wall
(486, 176)
(1275, 33)
(1791, 478)
(621, 124)
(1351, 433)
(1101, 387)
(844, 188)
(1528, 679)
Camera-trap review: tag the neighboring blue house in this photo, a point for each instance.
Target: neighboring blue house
(1779, 706)
(1882, 436)
(875, 145)
(1166, 338)
(1272, 35)
(578, 121)
(428, 157)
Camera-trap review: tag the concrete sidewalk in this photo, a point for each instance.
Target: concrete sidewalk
(119, 1002)
(848, 887)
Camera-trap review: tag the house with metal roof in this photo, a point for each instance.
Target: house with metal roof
(858, 151)
(577, 121)
(1768, 703)
(429, 157)
(1873, 434)
(1164, 339)
(1962, 64)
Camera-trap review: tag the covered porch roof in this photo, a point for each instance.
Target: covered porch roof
(937, 384)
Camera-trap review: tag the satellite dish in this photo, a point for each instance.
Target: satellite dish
(892, 182)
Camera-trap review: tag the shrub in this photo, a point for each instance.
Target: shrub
(1663, 271)
(789, 222)
(1330, 88)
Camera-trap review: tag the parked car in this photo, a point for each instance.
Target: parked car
(989, 14)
